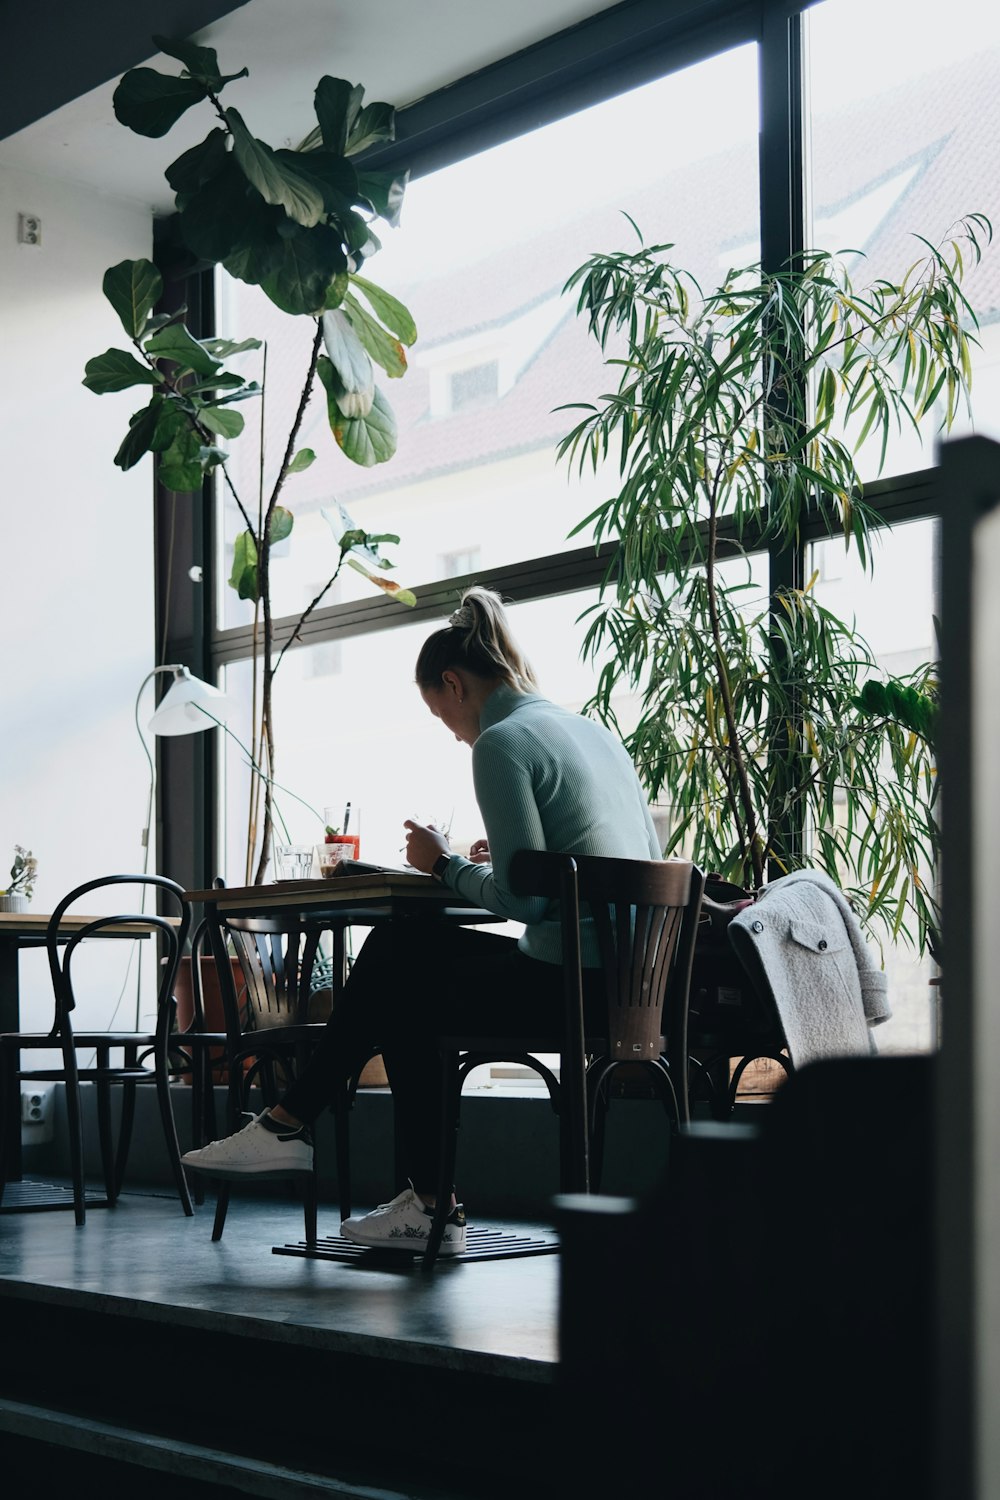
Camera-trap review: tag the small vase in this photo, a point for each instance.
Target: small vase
(13, 903)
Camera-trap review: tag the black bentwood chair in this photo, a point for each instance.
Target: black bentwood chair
(119, 1056)
(645, 916)
(270, 1036)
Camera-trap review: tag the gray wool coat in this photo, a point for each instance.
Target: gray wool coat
(802, 944)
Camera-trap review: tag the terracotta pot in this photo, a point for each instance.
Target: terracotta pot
(215, 1016)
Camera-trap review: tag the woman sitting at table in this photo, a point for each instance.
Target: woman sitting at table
(545, 778)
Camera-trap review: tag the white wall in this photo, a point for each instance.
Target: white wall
(76, 597)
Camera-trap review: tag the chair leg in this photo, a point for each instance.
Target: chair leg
(310, 1197)
(74, 1126)
(597, 1114)
(221, 1208)
(104, 1126)
(170, 1137)
(451, 1095)
(126, 1122)
(10, 1113)
(342, 1127)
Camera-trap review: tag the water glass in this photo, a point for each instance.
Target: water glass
(294, 861)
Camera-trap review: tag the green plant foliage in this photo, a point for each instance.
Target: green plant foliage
(298, 224)
(737, 418)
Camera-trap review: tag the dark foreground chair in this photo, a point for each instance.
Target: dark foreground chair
(767, 1312)
(120, 1057)
(645, 916)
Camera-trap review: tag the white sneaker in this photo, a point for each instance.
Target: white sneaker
(263, 1148)
(405, 1224)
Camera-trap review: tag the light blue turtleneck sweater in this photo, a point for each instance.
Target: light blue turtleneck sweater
(546, 778)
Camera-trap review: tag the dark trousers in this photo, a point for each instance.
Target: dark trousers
(412, 982)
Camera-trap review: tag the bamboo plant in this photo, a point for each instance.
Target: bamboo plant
(298, 224)
(737, 419)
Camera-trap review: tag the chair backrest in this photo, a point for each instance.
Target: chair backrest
(645, 917)
(276, 955)
(172, 926)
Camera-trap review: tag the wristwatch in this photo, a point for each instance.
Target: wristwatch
(440, 865)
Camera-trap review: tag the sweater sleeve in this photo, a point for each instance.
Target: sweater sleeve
(506, 800)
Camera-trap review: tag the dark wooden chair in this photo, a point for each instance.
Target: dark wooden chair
(645, 916)
(120, 1057)
(270, 1035)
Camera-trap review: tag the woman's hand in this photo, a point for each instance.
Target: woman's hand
(424, 845)
(480, 852)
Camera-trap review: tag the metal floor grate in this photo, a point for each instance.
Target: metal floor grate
(481, 1241)
(26, 1197)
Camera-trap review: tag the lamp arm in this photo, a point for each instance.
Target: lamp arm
(265, 778)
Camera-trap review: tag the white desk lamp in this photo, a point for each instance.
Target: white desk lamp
(189, 705)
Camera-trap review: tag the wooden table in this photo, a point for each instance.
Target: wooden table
(27, 929)
(340, 902)
(387, 893)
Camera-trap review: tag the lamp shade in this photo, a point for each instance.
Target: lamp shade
(188, 706)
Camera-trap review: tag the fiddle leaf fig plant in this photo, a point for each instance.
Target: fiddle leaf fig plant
(299, 225)
(764, 720)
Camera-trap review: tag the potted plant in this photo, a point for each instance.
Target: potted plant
(298, 224)
(733, 420)
(21, 886)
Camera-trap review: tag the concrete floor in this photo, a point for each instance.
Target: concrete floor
(145, 1260)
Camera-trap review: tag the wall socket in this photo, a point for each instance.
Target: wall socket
(29, 229)
(36, 1106)
(37, 1114)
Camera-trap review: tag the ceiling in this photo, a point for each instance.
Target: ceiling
(400, 50)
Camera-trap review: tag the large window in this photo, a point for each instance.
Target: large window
(901, 136)
(481, 258)
(905, 140)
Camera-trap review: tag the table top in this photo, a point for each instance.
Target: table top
(384, 888)
(29, 924)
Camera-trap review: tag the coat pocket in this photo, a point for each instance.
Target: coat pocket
(818, 937)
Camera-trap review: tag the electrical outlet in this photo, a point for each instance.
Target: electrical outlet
(36, 1106)
(37, 1114)
(29, 229)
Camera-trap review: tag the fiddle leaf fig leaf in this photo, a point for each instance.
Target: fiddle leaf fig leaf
(366, 440)
(388, 309)
(380, 345)
(302, 460)
(226, 216)
(133, 287)
(116, 370)
(244, 578)
(376, 122)
(137, 441)
(350, 378)
(200, 62)
(224, 348)
(182, 465)
(228, 424)
(200, 164)
(275, 180)
(337, 103)
(282, 521)
(333, 176)
(310, 259)
(384, 191)
(151, 103)
(388, 585)
(175, 343)
(336, 291)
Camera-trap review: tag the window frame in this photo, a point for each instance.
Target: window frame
(618, 49)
